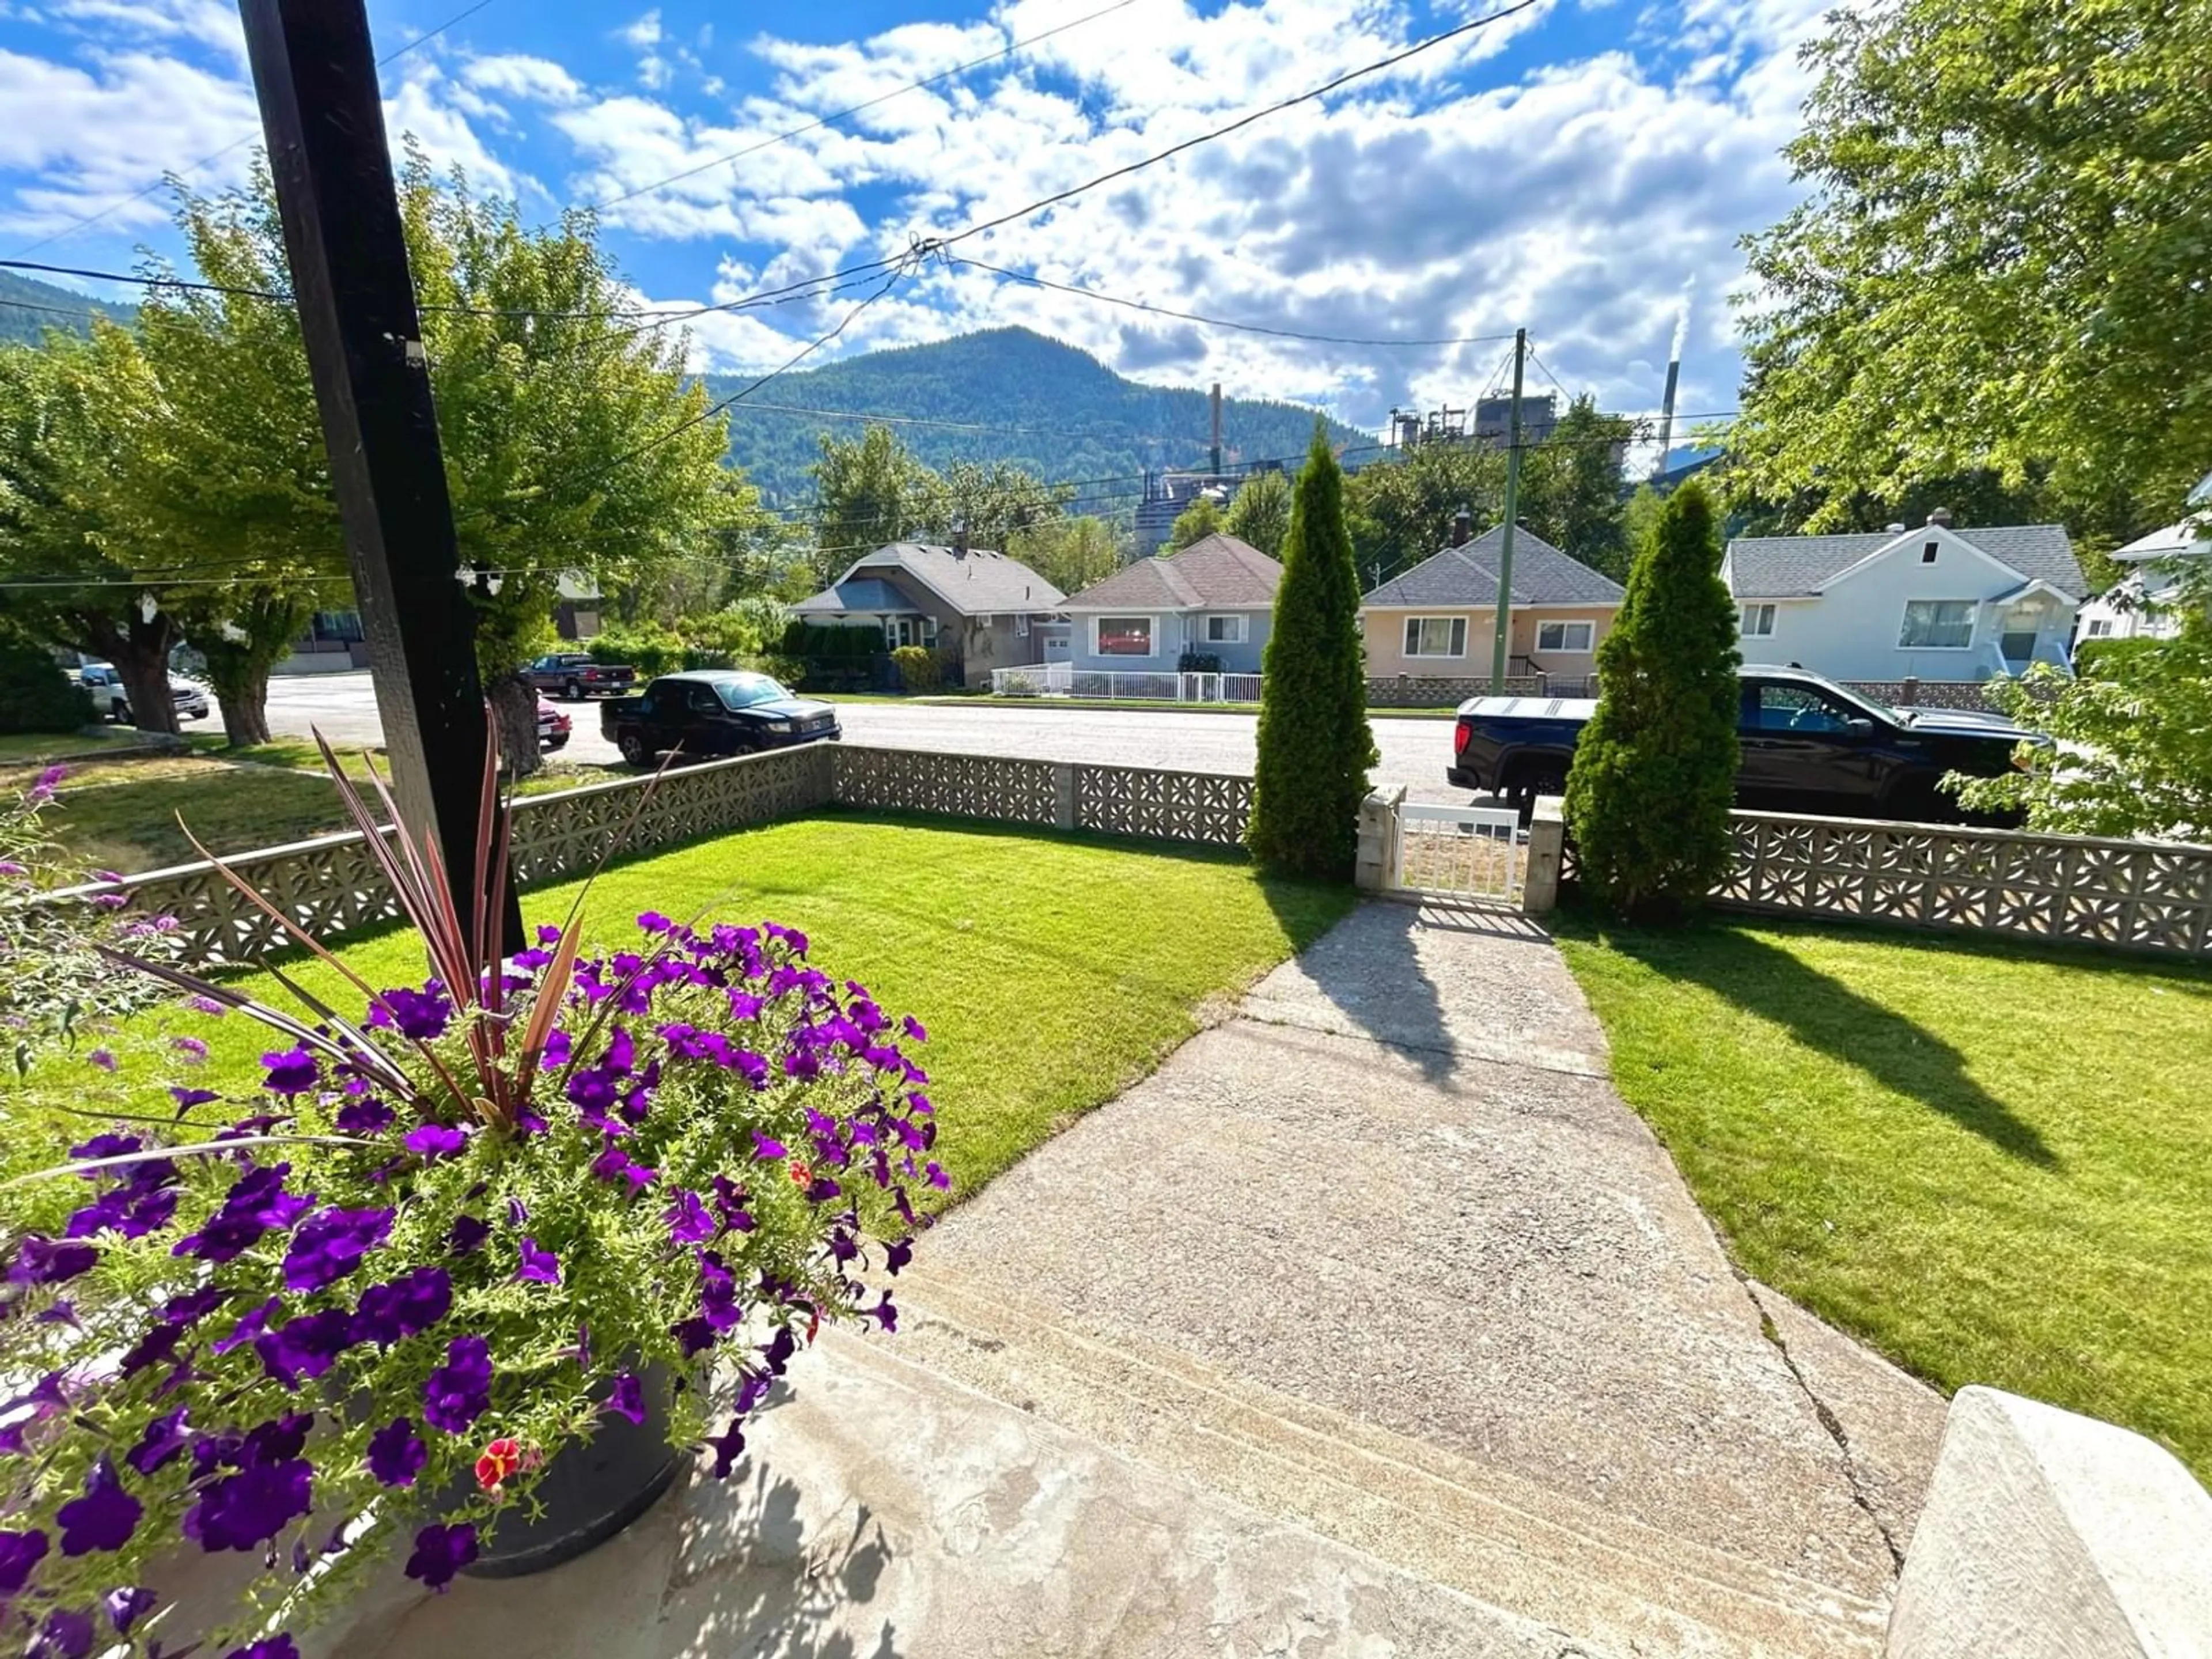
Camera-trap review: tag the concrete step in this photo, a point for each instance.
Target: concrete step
(1619, 1587)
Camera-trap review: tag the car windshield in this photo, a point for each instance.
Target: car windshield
(743, 690)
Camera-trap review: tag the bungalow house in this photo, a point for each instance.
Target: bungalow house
(1937, 603)
(983, 608)
(2140, 604)
(1216, 598)
(1438, 619)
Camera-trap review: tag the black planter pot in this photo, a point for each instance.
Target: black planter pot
(591, 1491)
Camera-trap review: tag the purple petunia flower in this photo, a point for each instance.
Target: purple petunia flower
(41, 1261)
(897, 1255)
(467, 1234)
(459, 1391)
(397, 1454)
(9, 867)
(302, 1349)
(20, 1553)
(539, 1266)
(66, 1634)
(729, 1446)
(329, 1246)
(367, 1116)
(653, 922)
(407, 1306)
(432, 1141)
(163, 1439)
(718, 1293)
(559, 1047)
(245, 1510)
(613, 1163)
(441, 1552)
(419, 1015)
(688, 1220)
(548, 933)
(104, 1058)
(270, 1647)
(914, 1029)
(194, 1049)
(188, 1098)
(104, 1518)
(766, 1147)
(627, 1398)
(256, 1204)
(294, 1071)
(125, 1608)
(158, 1344)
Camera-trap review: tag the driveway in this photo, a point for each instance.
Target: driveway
(1413, 752)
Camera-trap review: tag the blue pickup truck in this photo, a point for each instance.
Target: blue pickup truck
(1809, 745)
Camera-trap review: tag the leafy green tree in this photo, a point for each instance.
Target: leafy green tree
(994, 502)
(2133, 736)
(1400, 512)
(1201, 519)
(1315, 746)
(77, 569)
(1571, 487)
(1069, 553)
(1639, 519)
(869, 490)
(1654, 772)
(2000, 263)
(1261, 515)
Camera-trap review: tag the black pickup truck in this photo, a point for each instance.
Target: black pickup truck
(572, 675)
(713, 712)
(1809, 745)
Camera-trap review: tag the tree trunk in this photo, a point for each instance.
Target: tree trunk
(514, 713)
(140, 651)
(246, 709)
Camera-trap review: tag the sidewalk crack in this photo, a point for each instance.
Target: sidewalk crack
(1828, 1420)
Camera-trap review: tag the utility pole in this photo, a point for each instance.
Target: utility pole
(315, 74)
(1497, 648)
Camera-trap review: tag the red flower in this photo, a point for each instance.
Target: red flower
(501, 1459)
(801, 1174)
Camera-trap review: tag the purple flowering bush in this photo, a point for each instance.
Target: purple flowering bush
(365, 1310)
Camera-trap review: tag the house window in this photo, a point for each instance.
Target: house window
(1571, 637)
(1122, 636)
(1022, 625)
(1758, 622)
(1224, 631)
(1928, 553)
(1937, 625)
(2100, 627)
(1436, 637)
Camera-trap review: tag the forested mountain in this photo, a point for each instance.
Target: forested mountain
(28, 308)
(1046, 407)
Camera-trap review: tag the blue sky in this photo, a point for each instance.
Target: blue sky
(1584, 168)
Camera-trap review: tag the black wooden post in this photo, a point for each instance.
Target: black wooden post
(314, 73)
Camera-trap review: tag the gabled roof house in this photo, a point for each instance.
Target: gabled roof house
(983, 607)
(1939, 602)
(1216, 598)
(1439, 618)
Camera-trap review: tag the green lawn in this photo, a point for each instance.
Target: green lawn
(1052, 971)
(37, 748)
(1991, 1161)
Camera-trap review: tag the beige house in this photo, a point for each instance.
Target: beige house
(1438, 619)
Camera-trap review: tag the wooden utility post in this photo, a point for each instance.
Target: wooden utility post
(1500, 644)
(314, 73)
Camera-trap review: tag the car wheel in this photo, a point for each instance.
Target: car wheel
(573, 691)
(119, 711)
(634, 749)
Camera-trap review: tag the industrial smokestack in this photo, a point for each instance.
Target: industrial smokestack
(1673, 377)
(1217, 429)
(1462, 527)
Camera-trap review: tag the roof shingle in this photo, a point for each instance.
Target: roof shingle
(1795, 566)
(1466, 577)
(978, 582)
(1217, 572)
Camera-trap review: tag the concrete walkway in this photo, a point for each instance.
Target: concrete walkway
(1373, 1323)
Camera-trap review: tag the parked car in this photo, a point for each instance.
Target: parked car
(1809, 745)
(714, 711)
(553, 727)
(110, 701)
(574, 676)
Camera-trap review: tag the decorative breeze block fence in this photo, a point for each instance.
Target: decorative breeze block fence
(333, 884)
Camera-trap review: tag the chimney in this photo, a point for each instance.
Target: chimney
(1896, 529)
(1941, 515)
(960, 538)
(1462, 527)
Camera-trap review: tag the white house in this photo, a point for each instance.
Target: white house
(2134, 607)
(1938, 603)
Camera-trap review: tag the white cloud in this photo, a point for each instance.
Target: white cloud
(516, 75)
(644, 32)
(209, 22)
(429, 106)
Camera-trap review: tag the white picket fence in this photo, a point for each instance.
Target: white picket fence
(1059, 679)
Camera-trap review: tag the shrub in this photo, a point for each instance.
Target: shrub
(1653, 773)
(649, 649)
(1315, 746)
(1198, 662)
(35, 695)
(747, 628)
(367, 1308)
(1020, 685)
(2109, 660)
(805, 638)
(920, 668)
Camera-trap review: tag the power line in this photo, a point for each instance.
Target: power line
(826, 120)
(208, 160)
(933, 245)
(1215, 322)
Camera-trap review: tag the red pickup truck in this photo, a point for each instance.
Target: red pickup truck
(572, 675)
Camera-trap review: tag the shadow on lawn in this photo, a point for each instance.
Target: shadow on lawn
(1822, 1013)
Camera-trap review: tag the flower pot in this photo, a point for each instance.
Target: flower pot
(591, 1491)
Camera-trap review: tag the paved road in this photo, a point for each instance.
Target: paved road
(1413, 752)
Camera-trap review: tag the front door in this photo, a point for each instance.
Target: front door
(1804, 749)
